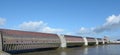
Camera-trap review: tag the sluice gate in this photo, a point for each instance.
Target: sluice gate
(91, 41)
(73, 41)
(13, 41)
(16, 41)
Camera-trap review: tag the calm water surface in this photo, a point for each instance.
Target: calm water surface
(94, 50)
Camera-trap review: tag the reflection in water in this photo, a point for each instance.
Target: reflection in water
(97, 49)
(103, 46)
(94, 50)
(63, 53)
(85, 51)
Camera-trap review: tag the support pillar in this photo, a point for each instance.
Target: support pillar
(4, 53)
(0, 41)
(1, 49)
(63, 41)
(96, 41)
(103, 41)
(85, 41)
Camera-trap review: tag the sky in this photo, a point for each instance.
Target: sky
(94, 18)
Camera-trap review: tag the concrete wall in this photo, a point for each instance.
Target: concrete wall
(103, 41)
(63, 41)
(0, 42)
(1, 51)
(4, 53)
(85, 41)
(96, 41)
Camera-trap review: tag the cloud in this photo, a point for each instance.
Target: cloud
(69, 33)
(2, 21)
(51, 30)
(84, 30)
(112, 23)
(38, 26)
(32, 26)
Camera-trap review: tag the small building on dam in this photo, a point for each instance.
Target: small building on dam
(13, 41)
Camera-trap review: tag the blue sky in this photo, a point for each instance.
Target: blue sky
(61, 16)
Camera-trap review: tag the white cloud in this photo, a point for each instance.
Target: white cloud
(112, 23)
(2, 21)
(69, 33)
(113, 20)
(38, 26)
(32, 26)
(84, 30)
(51, 30)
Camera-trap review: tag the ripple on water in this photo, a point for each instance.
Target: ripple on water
(93, 50)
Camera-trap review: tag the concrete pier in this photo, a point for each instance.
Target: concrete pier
(96, 41)
(115, 42)
(103, 41)
(63, 41)
(85, 41)
(4, 53)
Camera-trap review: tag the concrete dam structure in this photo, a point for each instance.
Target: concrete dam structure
(12, 41)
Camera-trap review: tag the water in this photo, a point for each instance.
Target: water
(93, 50)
